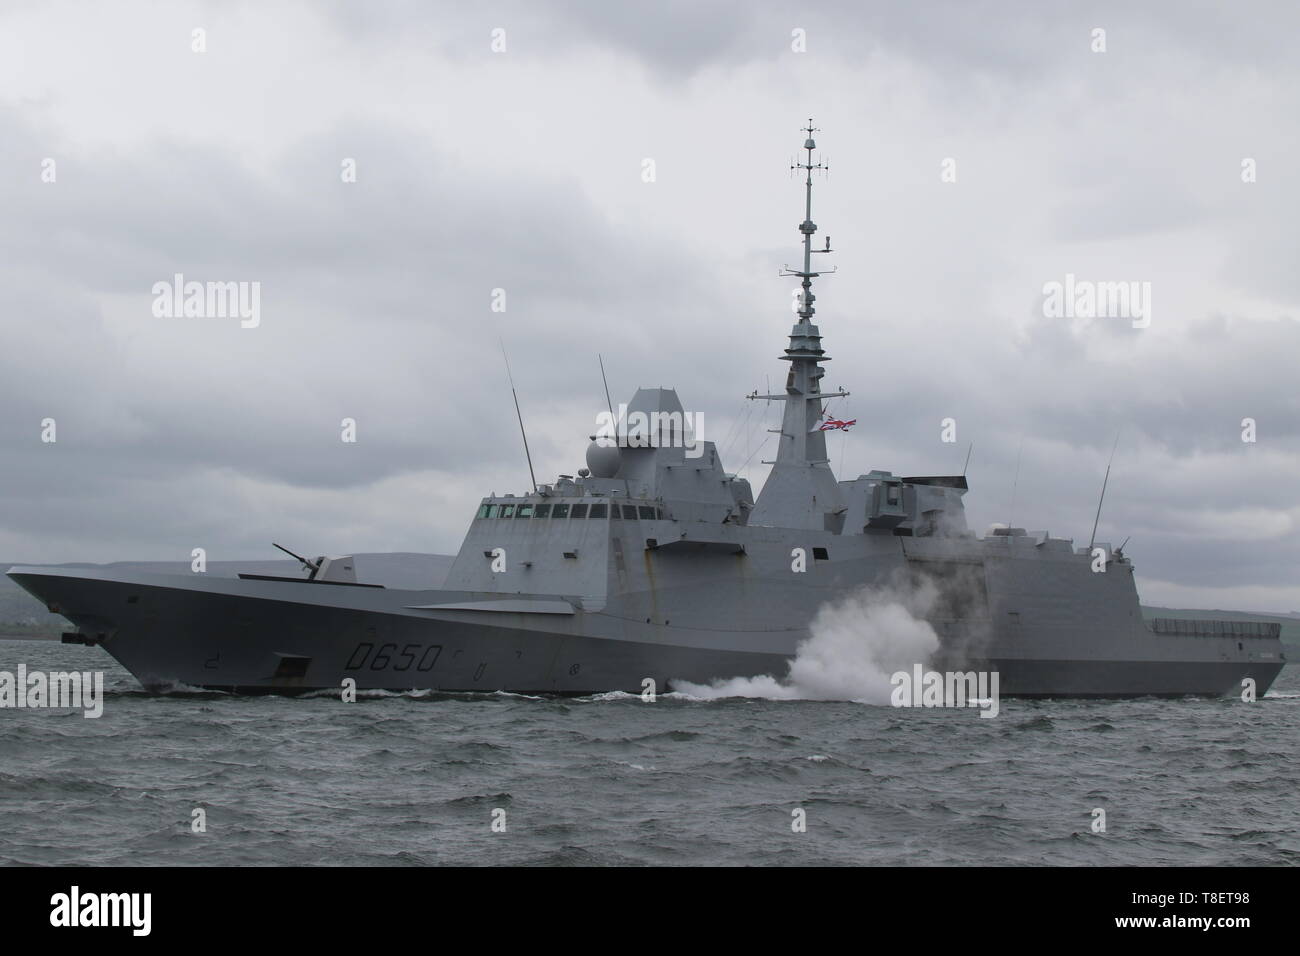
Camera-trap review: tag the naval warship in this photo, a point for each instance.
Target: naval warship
(653, 562)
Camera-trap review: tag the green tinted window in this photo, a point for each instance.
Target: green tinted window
(482, 511)
(493, 510)
(524, 511)
(507, 511)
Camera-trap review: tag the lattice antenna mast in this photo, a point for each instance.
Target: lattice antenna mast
(808, 227)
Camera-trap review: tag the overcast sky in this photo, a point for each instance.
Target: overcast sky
(523, 170)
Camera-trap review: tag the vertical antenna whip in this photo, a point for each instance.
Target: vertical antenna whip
(1015, 484)
(627, 486)
(1103, 494)
(519, 415)
(965, 466)
(600, 358)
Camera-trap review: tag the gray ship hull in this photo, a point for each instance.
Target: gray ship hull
(174, 632)
(264, 636)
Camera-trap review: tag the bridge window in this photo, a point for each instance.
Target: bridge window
(614, 512)
(524, 511)
(493, 510)
(598, 511)
(579, 511)
(560, 511)
(543, 511)
(482, 511)
(647, 513)
(507, 511)
(629, 512)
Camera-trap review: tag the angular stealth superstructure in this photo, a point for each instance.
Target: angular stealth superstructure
(656, 563)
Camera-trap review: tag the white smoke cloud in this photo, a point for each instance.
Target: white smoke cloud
(856, 644)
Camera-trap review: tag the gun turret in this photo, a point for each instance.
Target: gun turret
(312, 567)
(336, 568)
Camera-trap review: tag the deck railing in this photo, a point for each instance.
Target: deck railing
(1170, 625)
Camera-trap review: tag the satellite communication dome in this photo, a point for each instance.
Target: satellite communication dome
(603, 460)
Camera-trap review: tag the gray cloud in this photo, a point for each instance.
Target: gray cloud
(522, 172)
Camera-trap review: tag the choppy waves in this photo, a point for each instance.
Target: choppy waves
(424, 778)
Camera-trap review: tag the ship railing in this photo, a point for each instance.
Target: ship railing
(1169, 625)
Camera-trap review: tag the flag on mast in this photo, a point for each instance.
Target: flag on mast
(831, 424)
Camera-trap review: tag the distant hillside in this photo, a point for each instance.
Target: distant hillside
(21, 615)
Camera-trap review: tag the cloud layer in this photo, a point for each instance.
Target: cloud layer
(522, 171)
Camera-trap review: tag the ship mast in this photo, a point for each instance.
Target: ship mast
(801, 491)
(808, 227)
